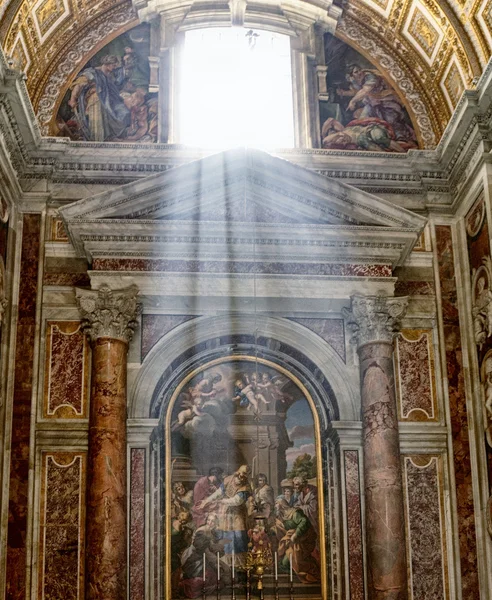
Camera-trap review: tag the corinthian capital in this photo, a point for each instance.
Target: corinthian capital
(375, 318)
(109, 313)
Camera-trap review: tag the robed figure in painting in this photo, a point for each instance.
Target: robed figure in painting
(97, 104)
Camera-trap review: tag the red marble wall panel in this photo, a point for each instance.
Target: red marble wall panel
(61, 526)
(330, 330)
(21, 414)
(67, 371)
(67, 279)
(458, 414)
(354, 525)
(425, 531)
(137, 524)
(415, 376)
(154, 327)
(210, 266)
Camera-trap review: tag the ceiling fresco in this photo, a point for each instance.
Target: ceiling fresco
(429, 50)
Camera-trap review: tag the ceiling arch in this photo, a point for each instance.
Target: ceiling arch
(431, 49)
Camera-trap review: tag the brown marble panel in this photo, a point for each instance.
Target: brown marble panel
(137, 524)
(157, 525)
(354, 525)
(426, 548)
(66, 377)
(106, 480)
(154, 327)
(209, 266)
(67, 279)
(61, 526)
(415, 376)
(414, 288)
(21, 414)
(458, 414)
(330, 330)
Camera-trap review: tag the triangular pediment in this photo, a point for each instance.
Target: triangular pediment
(236, 195)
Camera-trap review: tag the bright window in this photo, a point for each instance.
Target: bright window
(236, 89)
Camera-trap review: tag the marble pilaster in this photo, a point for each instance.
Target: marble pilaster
(374, 320)
(108, 317)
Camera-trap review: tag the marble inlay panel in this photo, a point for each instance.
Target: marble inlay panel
(414, 288)
(330, 330)
(354, 525)
(154, 327)
(58, 233)
(331, 514)
(61, 523)
(21, 413)
(67, 279)
(458, 414)
(137, 524)
(67, 371)
(210, 266)
(415, 376)
(426, 548)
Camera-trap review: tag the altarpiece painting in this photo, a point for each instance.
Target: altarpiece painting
(245, 469)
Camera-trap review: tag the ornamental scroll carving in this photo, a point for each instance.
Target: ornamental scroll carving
(109, 313)
(482, 302)
(375, 318)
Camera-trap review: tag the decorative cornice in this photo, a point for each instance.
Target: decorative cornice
(109, 313)
(374, 318)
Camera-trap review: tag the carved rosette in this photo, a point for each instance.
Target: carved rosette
(375, 318)
(108, 313)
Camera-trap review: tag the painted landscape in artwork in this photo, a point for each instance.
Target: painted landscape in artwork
(109, 99)
(362, 111)
(243, 475)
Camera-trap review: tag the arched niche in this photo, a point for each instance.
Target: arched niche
(247, 416)
(332, 383)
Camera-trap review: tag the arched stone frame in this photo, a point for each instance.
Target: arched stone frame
(342, 378)
(198, 342)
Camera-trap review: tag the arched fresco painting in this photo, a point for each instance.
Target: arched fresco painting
(362, 111)
(110, 99)
(244, 465)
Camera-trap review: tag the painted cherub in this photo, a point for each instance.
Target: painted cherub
(245, 393)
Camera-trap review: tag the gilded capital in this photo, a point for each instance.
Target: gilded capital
(374, 318)
(109, 313)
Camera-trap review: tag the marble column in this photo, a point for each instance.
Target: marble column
(374, 320)
(108, 316)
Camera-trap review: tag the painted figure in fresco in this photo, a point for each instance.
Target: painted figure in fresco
(297, 539)
(372, 98)
(287, 486)
(306, 499)
(190, 577)
(182, 500)
(232, 502)
(360, 134)
(263, 499)
(205, 487)
(245, 392)
(99, 109)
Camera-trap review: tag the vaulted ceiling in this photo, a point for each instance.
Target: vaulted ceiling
(431, 49)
